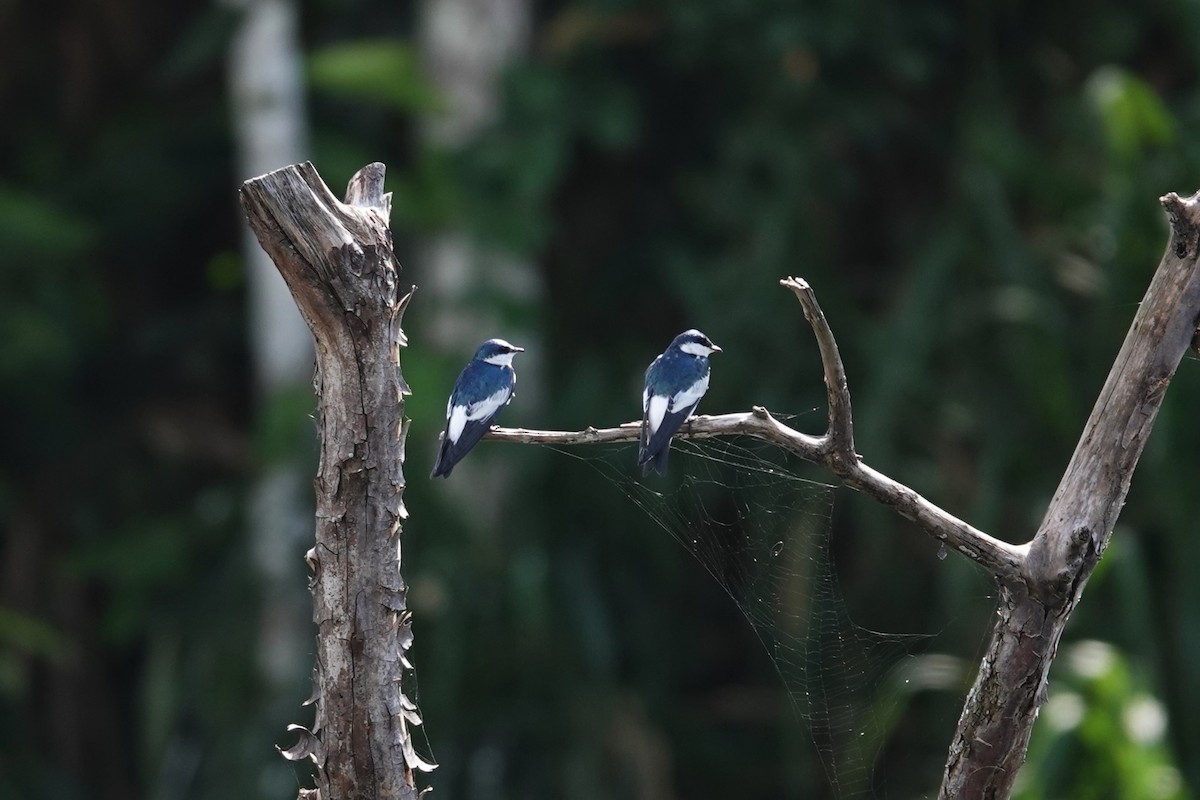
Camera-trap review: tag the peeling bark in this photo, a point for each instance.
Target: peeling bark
(338, 262)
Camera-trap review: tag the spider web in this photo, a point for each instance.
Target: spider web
(763, 533)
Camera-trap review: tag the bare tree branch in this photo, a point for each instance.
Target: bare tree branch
(834, 451)
(993, 732)
(999, 558)
(757, 422)
(837, 390)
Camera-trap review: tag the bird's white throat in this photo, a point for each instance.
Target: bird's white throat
(501, 359)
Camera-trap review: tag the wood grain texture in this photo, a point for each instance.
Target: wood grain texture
(338, 262)
(993, 733)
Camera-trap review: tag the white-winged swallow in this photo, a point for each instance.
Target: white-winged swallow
(481, 391)
(675, 382)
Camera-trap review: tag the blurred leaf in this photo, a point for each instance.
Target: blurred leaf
(141, 556)
(33, 228)
(33, 342)
(203, 44)
(384, 72)
(1100, 735)
(286, 429)
(1133, 114)
(608, 114)
(427, 195)
(31, 635)
(225, 271)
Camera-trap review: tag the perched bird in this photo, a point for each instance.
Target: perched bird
(675, 382)
(484, 387)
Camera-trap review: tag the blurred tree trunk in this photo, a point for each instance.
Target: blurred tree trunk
(266, 86)
(338, 262)
(465, 47)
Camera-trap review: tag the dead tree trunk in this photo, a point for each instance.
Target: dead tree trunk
(1041, 581)
(993, 733)
(338, 262)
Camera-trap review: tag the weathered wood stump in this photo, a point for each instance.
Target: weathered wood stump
(338, 262)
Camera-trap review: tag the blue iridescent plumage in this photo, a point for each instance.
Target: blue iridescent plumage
(675, 382)
(483, 388)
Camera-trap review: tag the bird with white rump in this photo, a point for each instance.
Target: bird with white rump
(482, 390)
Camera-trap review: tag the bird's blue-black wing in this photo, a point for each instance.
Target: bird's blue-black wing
(653, 453)
(481, 392)
(675, 382)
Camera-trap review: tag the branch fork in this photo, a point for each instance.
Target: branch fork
(832, 450)
(1041, 581)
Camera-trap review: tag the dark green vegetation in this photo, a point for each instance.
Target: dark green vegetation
(969, 187)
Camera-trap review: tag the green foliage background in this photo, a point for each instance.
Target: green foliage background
(971, 188)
